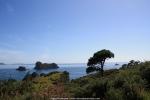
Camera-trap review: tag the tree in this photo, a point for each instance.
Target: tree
(96, 63)
(38, 64)
(133, 63)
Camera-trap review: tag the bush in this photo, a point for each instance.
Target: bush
(130, 93)
(124, 66)
(114, 94)
(98, 89)
(95, 89)
(43, 74)
(65, 77)
(29, 76)
(145, 74)
(118, 82)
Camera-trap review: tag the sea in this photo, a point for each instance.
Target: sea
(76, 70)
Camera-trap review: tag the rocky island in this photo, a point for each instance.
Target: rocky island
(21, 68)
(40, 66)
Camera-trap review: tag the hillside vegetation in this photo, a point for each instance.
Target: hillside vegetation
(130, 82)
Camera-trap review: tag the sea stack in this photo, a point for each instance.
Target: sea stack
(40, 66)
(21, 68)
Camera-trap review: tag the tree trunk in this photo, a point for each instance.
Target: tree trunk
(102, 67)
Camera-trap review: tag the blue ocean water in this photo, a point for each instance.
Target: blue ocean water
(75, 70)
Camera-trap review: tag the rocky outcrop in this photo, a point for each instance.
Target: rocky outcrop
(40, 66)
(21, 68)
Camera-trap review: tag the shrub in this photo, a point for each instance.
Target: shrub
(130, 93)
(65, 77)
(114, 94)
(124, 66)
(29, 76)
(145, 74)
(118, 82)
(96, 89)
(43, 74)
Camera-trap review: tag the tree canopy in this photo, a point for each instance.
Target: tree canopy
(96, 63)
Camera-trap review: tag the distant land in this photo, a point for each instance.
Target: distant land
(2, 63)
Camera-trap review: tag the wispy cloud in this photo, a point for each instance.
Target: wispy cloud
(43, 58)
(10, 8)
(11, 41)
(14, 56)
(6, 45)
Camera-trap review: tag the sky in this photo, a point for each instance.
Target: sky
(70, 31)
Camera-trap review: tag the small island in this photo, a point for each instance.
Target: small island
(2, 63)
(116, 64)
(40, 66)
(21, 68)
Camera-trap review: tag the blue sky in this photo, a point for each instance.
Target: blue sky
(70, 31)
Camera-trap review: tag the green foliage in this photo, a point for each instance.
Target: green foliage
(91, 89)
(130, 93)
(118, 82)
(131, 64)
(124, 66)
(65, 77)
(38, 63)
(146, 74)
(130, 83)
(114, 94)
(91, 69)
(96, 62)
(33, 86)
(126, 84)
(29, 76)
(103, 54)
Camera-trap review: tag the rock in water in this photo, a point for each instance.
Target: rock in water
(40, 66)
(21, 68)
